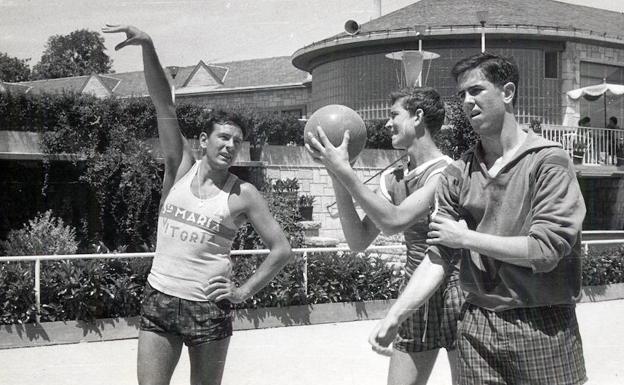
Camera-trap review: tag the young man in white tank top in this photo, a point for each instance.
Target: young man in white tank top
(401, 204)
(189, 289)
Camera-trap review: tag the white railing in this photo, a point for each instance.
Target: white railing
(304, 251)
(600, 143)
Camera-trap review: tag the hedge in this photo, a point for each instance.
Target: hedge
(91, 289)
(103, 288)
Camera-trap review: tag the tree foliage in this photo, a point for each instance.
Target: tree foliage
(13, 69)
(79, 53)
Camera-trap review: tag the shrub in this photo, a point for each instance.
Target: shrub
(285, 289)
(605, 267)
(457, 136)
(281, 197)
(43, 235)
(91, 289)
(378, 136)
(344, 277)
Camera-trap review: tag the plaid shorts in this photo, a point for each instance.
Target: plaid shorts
(539, 345)
(196, 322)
(434, 325)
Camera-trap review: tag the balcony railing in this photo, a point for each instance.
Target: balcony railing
(600, 143)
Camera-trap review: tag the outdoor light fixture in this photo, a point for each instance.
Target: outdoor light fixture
(173, 70)
(482, 16)
(420, 31)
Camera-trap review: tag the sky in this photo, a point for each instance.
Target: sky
(186, 31)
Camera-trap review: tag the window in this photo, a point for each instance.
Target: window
(551, 65)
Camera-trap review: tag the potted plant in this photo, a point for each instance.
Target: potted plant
(578, 151)
(619, 152)
(257, 138)
(305, 203)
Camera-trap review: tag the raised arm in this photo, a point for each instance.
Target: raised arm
(177, 152)
(388, 217)
(359, 233)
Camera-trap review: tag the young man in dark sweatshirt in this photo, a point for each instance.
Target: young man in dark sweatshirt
(514, 208)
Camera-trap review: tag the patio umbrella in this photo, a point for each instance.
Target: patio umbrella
(594, 92)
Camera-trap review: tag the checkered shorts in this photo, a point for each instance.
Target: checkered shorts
(196, 322)
(434, 325)
(520, 346)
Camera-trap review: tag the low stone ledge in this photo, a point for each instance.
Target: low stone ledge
(66, 332)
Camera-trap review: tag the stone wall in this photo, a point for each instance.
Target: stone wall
(284, 162)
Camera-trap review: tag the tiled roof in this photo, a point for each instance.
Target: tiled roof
(520, 12)
(238, 74)
(13, 87)
(260, 72)
(71, 84)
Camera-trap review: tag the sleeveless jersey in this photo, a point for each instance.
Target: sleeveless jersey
(395, 185)
(193, 240)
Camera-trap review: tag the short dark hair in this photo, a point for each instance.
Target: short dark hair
(425, 98)
(219, 116)
(499, 70)
(585, 120)
(613, 119)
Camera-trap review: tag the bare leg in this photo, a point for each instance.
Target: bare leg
(208, 361)
(453, 358)
(157, 357)
(411, 368)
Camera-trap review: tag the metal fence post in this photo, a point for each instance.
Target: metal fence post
(586, 247)
(305, 273)
(38, 288)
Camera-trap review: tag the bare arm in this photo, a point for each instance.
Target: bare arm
(422, 284)
(257, 212)
(177, 152)
(359, 233)
(388, 217)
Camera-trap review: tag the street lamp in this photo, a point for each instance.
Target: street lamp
(482, 16)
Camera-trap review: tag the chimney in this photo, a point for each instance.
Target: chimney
(376, 11)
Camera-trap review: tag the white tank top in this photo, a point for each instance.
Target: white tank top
(193, 240)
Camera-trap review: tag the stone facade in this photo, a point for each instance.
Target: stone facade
(363, 80)
(314, 180)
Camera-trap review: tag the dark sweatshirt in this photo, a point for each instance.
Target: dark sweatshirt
(535, 195)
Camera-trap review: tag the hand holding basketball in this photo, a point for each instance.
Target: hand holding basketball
(335, 119)
(323, 150)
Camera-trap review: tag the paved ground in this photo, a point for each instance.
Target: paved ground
(325, 354)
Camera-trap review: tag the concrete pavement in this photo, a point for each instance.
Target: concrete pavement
(329, 354)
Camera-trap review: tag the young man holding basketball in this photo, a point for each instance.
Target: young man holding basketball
(402, 204)
(189, 290)
(514, 208)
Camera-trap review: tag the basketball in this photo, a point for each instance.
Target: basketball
(334, 119)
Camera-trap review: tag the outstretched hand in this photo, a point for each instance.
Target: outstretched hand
(134, 36)
(324, 152)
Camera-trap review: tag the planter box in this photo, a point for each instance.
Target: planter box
(54, 333)
(67, 332)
